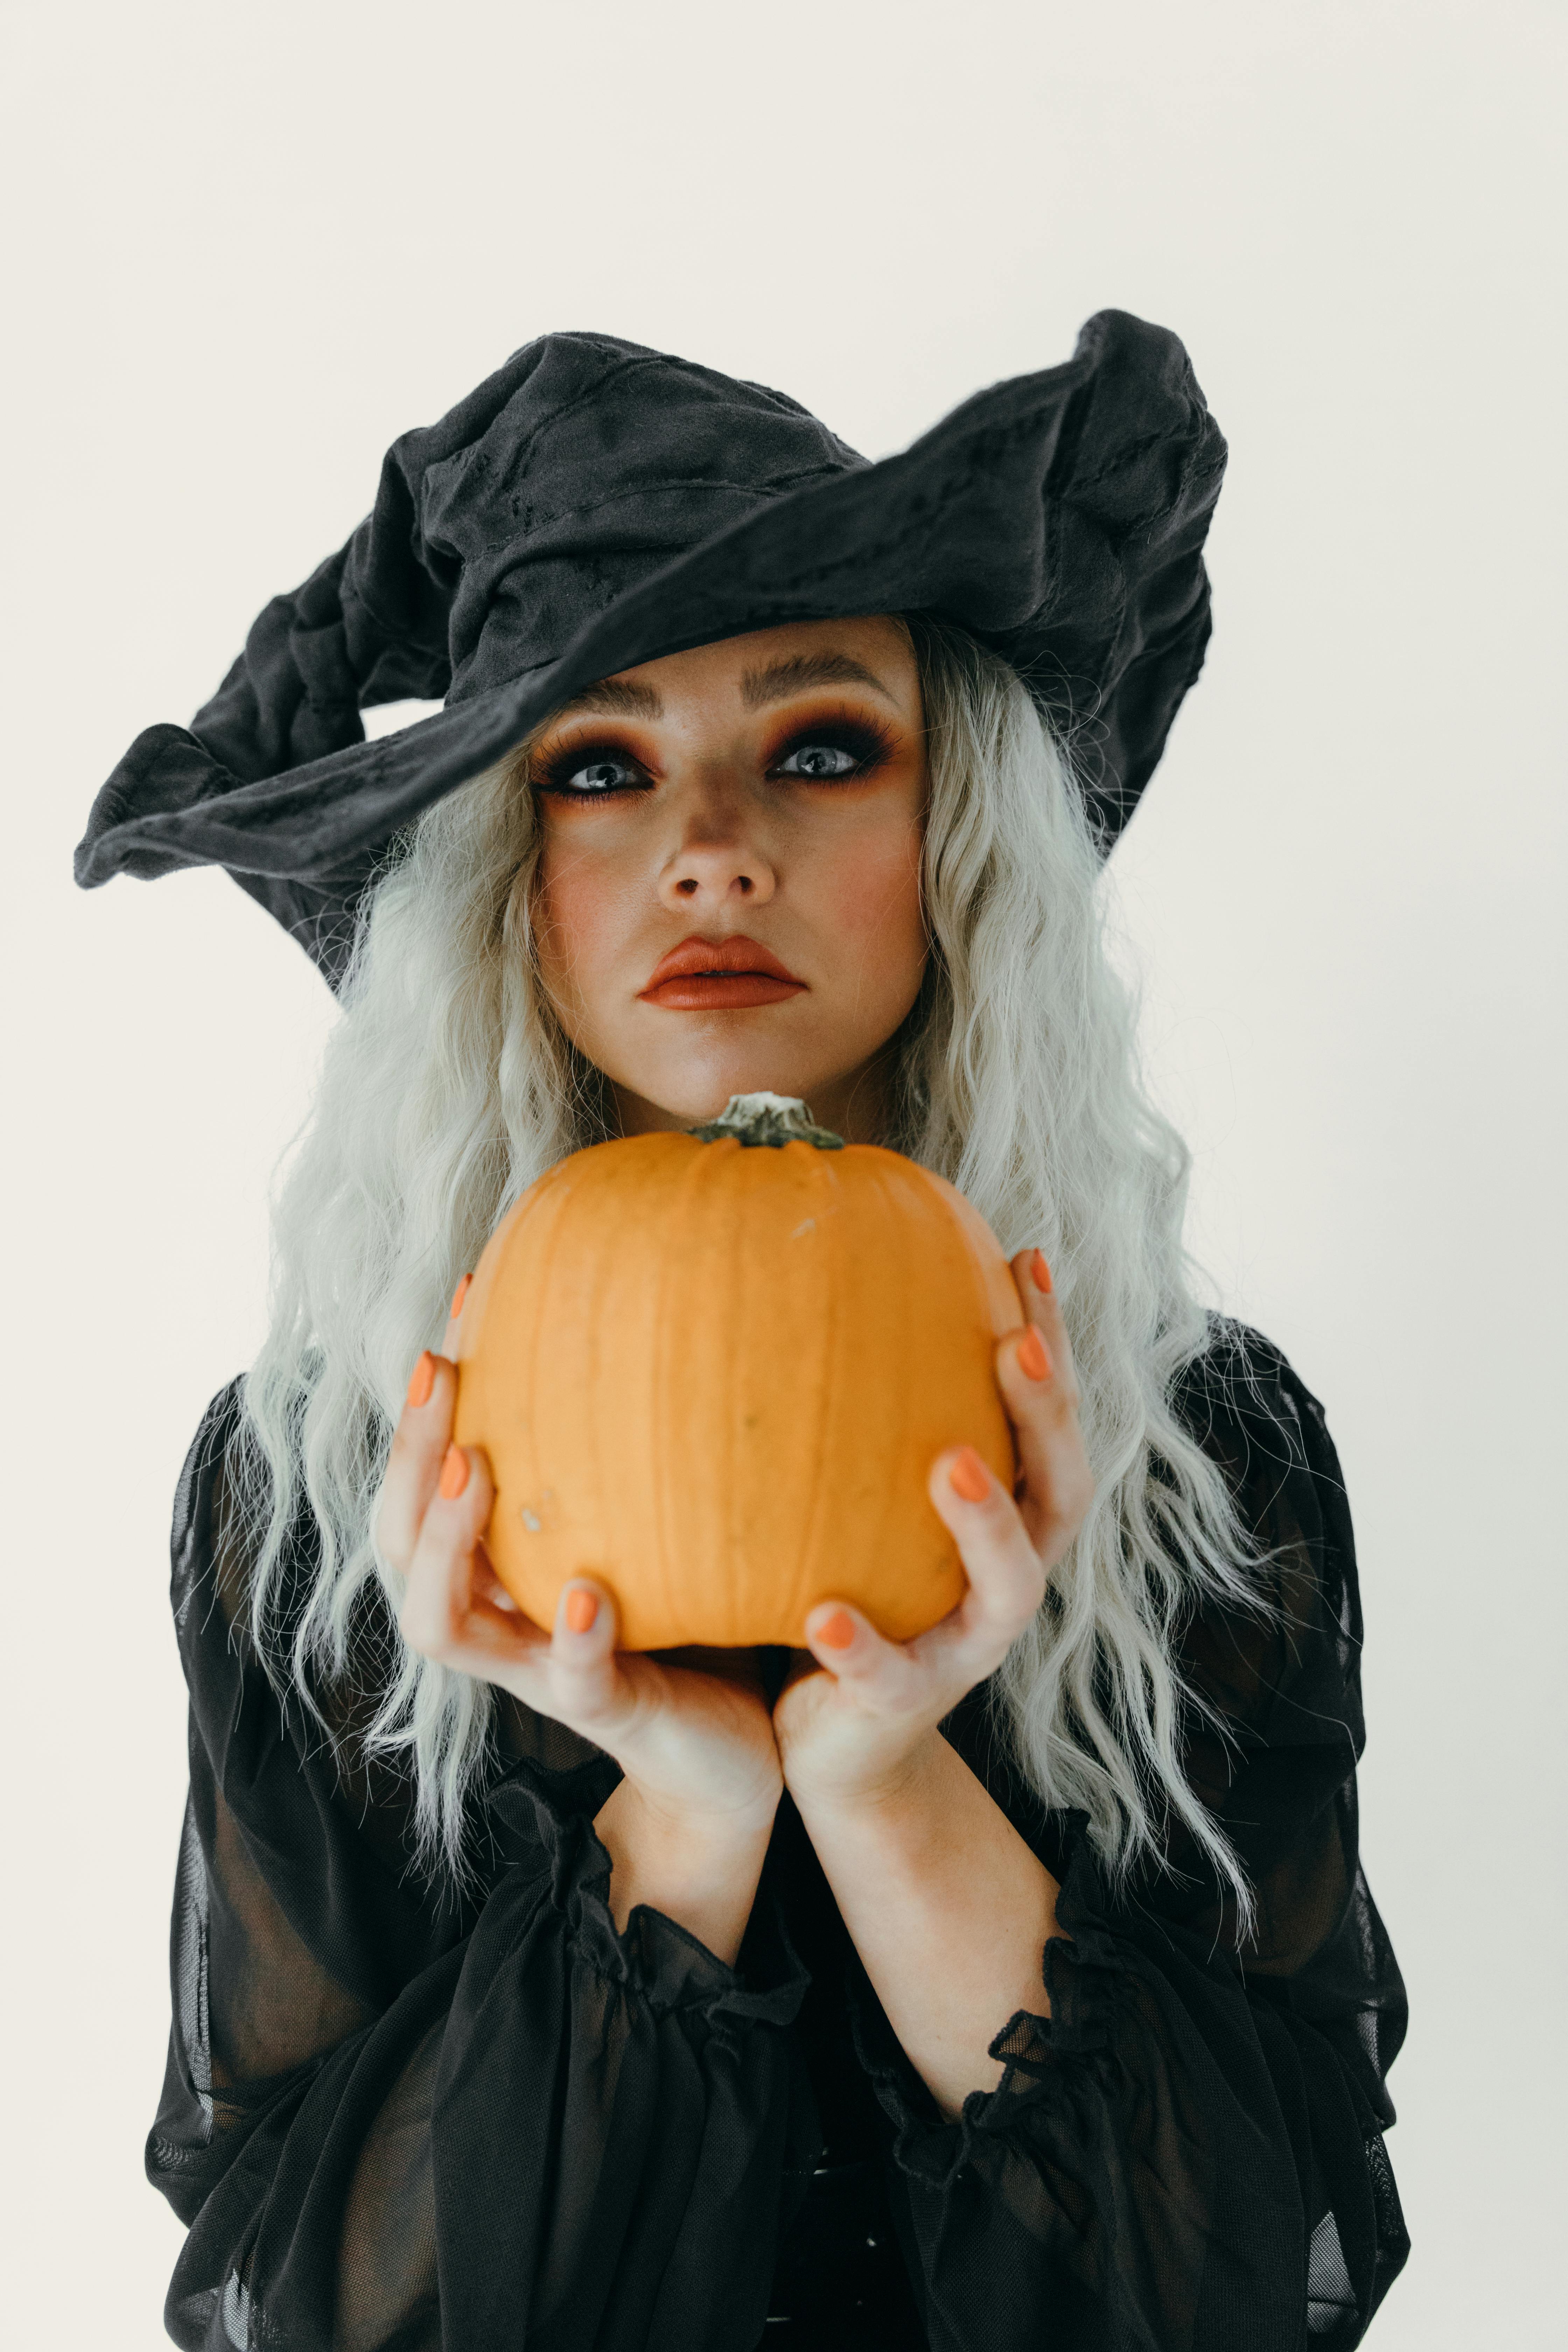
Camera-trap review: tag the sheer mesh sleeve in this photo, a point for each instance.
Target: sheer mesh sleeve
(1187, 2154)
(391, 2124)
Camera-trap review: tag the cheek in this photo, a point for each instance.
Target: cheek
(872, 898)
(579, 919)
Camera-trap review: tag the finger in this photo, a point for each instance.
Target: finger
(420, 1441)
(843, 1639)
(455, 1317)
(1006, 1586)
(1034, 1373)
(455, 1609)
(1046, 1432)
(589, 1688)
(1042, 1310)
(419, 1444)
(439, 1600)
(1006, 1580)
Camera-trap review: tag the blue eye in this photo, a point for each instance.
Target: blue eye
(819, 763)
(848, 748)
(586, 771)
(603, 774)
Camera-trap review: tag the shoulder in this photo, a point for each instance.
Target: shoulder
(197, 1496)
(214, 1434)
(222, 1506)
(1250, 1410)
(1242, 1391)
(1241, 1370)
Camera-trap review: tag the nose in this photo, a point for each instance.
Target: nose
(719, 862)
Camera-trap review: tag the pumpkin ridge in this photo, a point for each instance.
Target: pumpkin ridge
(723, 1335)
(669, 1205)
(711, 1214)
(996, 1294)
(655, 1221)
(601, 1278)
(736, 1534)
(560, 1198)
(887, 1192)
(891, 1183)
(506, 1546)
(812, 1565)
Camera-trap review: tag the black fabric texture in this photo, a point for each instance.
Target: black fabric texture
(593, 505)
(398, 2123)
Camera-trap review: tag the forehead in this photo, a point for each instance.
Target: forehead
(765, 665)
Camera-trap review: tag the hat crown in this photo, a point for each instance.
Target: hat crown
(582, 465)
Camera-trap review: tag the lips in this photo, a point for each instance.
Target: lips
(706, 975)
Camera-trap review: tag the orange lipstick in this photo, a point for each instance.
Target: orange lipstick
(711, 975)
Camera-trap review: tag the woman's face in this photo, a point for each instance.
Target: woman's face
(749, 813)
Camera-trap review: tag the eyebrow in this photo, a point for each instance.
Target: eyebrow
(620, 698)
(797, 671)
(625, 698)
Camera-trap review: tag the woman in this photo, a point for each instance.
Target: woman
(1016, 1985)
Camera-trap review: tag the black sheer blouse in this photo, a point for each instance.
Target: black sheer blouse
(396, 2122)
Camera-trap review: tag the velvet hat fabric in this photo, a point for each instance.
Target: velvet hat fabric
(594, 504)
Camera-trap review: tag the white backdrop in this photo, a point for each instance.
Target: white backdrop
(248, 246)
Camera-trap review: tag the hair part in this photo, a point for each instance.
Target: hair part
(448, 1087)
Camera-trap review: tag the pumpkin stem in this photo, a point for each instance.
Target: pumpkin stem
(770, 1120)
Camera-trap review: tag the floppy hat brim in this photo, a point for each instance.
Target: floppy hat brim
(1059, 516)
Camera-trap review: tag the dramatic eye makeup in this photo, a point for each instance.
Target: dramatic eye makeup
(830, 747)
(589, 770)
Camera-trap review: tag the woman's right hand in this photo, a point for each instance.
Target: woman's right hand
(697, 1742)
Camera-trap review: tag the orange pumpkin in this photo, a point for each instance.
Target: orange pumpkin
(712, 1370)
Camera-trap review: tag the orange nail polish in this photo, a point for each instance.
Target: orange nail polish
(1033, 1356)
(838, 1631)
(454, 1473)
(581, 1607)
(422, 1380)
(458, 1296)
(1040, 1270)
(968, 1476)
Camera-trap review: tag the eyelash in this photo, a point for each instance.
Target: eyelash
(551, 777)
(869, 744)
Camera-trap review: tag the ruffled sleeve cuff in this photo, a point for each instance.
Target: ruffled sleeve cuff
(1078, 1981)
(533, 1810)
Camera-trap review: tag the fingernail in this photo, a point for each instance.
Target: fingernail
(454, 1473)
(968, 1476)
(581, 1607)
(1033, 1354)
(1040, 1270)
(837, 1631)
(422, 1380)
(458, 1296)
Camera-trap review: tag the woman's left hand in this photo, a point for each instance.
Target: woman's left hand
(855, 1716)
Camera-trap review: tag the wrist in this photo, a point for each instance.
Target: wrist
(868, 1789)
(698, 1869)
(685, 1840)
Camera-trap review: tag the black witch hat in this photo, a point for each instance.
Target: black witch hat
(593, 505)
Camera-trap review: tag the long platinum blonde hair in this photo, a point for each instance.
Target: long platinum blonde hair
(448, 1087)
